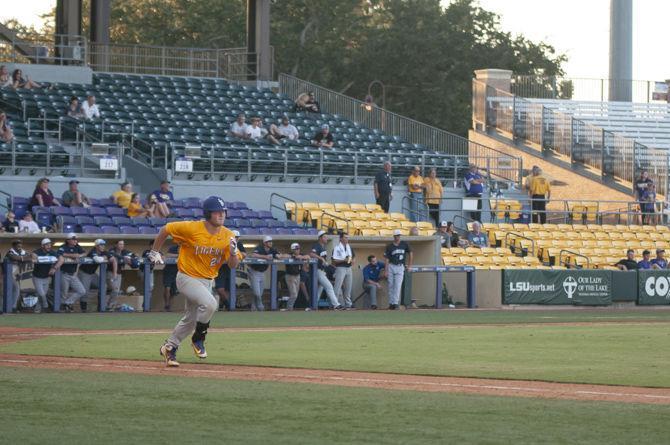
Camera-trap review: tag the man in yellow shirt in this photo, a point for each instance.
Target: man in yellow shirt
(124, 195)
(540, 192)
(203, 247)
(433, 194)
(415, 189)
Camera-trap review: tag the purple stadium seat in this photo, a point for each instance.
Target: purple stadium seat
(177, 203)
(20, 210)
(273, 223)
(192, 203)
(233, 213)
(147, 230)
(183, 213)
(312, 231)
(65, 219)
(241, 223)
(90, 229)
(265, 214)
(79, 211)
(140, 221)
(237, 205)
(106, 202)
(249, 231)
(110, 230)
(37, 209)
(19, 200)
(121, 220)
(60, 210)
(84, 220)
(68, 227)
(43, 219)
(258, 223)
(94, 202)
(197, 212)
(102, 220)
(289, 224)
(128, 230)
(169, 220)
(116, 211)
(157, 221)
(281, 231)
(97, 211)
(249, 214)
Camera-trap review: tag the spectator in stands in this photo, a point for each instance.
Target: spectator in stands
(5, 78)
(42, 195)
(6, 133)
(73, 109)
(320, 253)
(88, 273)
(659, 262)
(28, 225)
(222, 280)
(72, 290)
(170, 277)
(323, 138)
(255, 131)
(629, 262)
(307, 102)
(433, 195)
(263, 251)
(399, 256)
(267, 134)
(124, 195)
(20, 260)
(292, 275)
(124, 257)
(10, 224)
(18, 81)
(414, 231)
(285, 131)
(137, 210)
(343, 258)
(449, 238)
(373, 273)
(239, 128)
(161, 198)
(644, 263)
(89, 108)
(72, 197)
(383, 187)
(642, 184)
(648, 204)
(41, 277)
(415, 186)
(474, 188)
(476, 237)
(540, 192)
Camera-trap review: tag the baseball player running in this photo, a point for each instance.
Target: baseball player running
(204, 246)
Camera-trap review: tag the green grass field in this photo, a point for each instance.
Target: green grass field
(83, 408)
(86, 407)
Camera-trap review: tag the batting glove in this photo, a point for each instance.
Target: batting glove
(155, 257)
(233, 246)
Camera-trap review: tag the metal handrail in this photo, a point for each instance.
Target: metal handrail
(518, 235)
(325, 213)
(59, 48)
(283, 209)
(573, 253)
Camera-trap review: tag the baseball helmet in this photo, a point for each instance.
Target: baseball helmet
(213, 204)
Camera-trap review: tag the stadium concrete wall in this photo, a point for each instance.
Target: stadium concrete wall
(51, 73)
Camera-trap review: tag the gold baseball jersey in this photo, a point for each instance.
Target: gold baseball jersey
(200, 253)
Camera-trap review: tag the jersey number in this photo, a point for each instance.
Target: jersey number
(214, 261)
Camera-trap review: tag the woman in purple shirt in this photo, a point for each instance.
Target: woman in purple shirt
(42, 196)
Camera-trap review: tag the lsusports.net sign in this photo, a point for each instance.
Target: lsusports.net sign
(581, 287)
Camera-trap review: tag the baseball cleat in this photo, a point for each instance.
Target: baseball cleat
(170, 354)
(199, 348)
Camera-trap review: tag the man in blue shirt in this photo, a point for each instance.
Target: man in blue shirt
(644, 263)
(372, 274)
(474, 188)
(659, 262)
(162, 197)
(477, 238)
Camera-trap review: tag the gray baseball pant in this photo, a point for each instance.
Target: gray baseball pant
(293, 284)
(324, 283)
(396, 273)
(89, 281)
(343, 276)
(257, 283)
(200, 306)
(42, 288)
(114, 288)
(71, 288)
(371, 289)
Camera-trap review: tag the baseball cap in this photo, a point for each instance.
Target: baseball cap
(660, 250)
(236, 233)
(100, 242)
(645, 252)
(267, 239)
(295, 246)
(74, 181)
(321, 233)
(46, 241)
(444, 224)
(165, 182)
(123, 184)
(71, 235)
(397, 232)
(325, 127)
